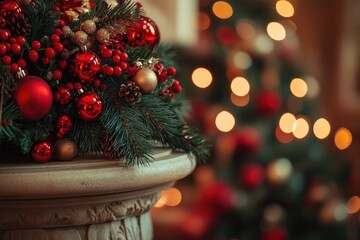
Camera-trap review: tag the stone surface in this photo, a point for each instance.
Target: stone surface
(88, 198)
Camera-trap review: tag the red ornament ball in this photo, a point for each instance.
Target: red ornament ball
(85, 66)
(143, 32)
(62, 94)
(42, 151)
(247, 142)
(251, 175)
(89, 106)
(34, 97)
(63, 125)
(268, 102)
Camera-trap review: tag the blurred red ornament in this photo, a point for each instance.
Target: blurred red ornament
(247, 142)
(276, 233)
(62, 94)
(226, 35)
(34, 97)
(89, 106)
(268, 102)
(42, 151)
(63, 125)
(85, 66)
(194, 225)
(251, 175)
(9, 9)
(143, 32)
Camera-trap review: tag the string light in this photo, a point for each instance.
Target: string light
(353, 205)
(204, 21)
(282, 136)
(242, 60)
(286, 122)
(240, 86)
(321, 128)
(225, 121)
(279, 171)
(240, 101)
(300, 128)
(276, 31)
(222, 10)
(313, 87)
(170, 197)
(202, 77)
(263, 44)
(245, 30)
(343, 138)
(298, 87)
(284, 8)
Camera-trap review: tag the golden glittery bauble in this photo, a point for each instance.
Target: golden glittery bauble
(102, 35)
(67, 32)
(146, 79)
(65, 149)
(81, 38)
(88, 26)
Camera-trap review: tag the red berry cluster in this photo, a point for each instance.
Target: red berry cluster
(119, 61)
(167, 73)
(11, 49)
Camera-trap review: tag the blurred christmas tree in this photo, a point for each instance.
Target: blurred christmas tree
(278, 173)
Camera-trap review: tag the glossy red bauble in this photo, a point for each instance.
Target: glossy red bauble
(42, 151)
(63, 125)
(268, 102)
(85, 66)
(34, 97)
(89, 106)
(143, 32)
(62, 94)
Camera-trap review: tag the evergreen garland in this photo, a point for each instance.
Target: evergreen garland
(126, 130)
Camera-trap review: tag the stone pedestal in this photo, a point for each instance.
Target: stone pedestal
(88, 198)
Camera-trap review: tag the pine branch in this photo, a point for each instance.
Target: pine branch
(88, 136)
(9, 127)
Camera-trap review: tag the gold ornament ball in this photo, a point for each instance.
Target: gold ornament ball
(146, 79)
(81, 38)
(102, 35)
(67, 32)
(65, 150)
(88, 26)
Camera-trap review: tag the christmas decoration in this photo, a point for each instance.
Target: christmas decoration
(42, 151)
(85, 66)
(130, 92)
(63, 125)
(12, 18)
(144, 32)
(108, 150)
(268, 102)
(89, 106)
(72, 8)
(251, 175)
(62, 94)
(65, 149)
(34, 97)
(146, 79)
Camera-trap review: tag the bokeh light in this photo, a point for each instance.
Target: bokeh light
(300, 128)
(284, 8)
(173, 197)
(322, 128)
(240, 101)
(274, 213)
(240, 86)
(286, 122)
(343, 138)
(353, 205)
(202, 77)
(276, 31)
(340, 212)
(279, 171)
(242, 60)
(225, 121)
(313, 87)
(263, 44)
(222, 10)
(204, 21)
(298, 87)
(282, 136)
(245, 30)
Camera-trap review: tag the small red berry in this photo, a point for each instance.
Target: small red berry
(3, 49)
(58, 47)
(50, 52)
(124, 56)
(4, 35)
(22, 63)
(33, 55)
(55, 38)
(97, 83)
(123, 65)
(61, 23)
(46, 60)
(171, 71)
(58, 31)
(102, 47)
(15, 48)
(103, 87)
(14, 67)
(117, 52)
(70, 85)
(57, 9)
(57, 74)
(6, 59)
(108, 70)
(117, 71)
(21, 40)
(78, 86)
(12, 40)
(62, 64)
(158, 66)
(8, 46)
(36, 45)
(116, 59)
(106, 53)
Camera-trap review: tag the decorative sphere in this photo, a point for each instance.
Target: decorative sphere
(268, 102)
(63, 125)
(143, 32)
(34, 97)
(65, 149)
(85, 66)
(89, 106)
(62, 94)
(42, 151)
(251, 175)
(146, 79)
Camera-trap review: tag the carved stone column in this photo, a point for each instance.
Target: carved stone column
(88, 198)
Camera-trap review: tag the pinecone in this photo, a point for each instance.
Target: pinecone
(18, 25)
(130, 92)
(108, 150)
